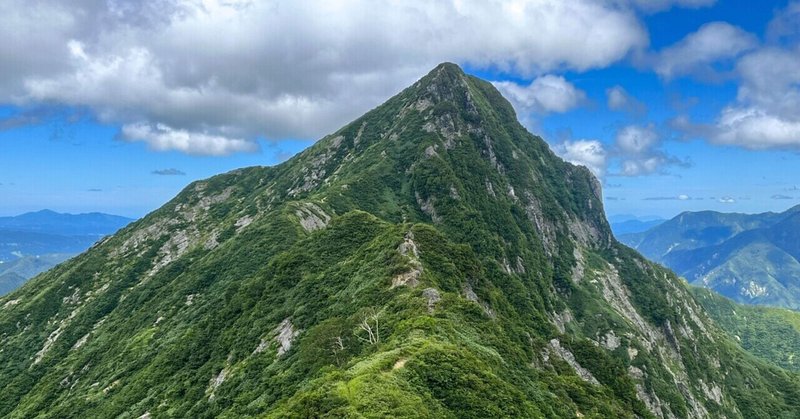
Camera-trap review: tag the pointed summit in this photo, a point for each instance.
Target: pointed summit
(430, 259)
(444, 77)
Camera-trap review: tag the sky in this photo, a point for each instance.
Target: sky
(675, 105)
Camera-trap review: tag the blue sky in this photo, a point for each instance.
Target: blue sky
(675, 104)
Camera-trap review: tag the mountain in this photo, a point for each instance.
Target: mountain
(35, 242)
(16, 272)
(751, 259)
(430, 259)
(51, 222)
(772, 334)
(623, 225)
(692, 230)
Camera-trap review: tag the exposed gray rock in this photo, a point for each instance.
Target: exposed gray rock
(426, 205)
(555, 347)
(312, 217)
(470, 295)
(490, 188)
(610, 341)
(560, 320)
(432, 296)
(712, 393)
(408, 248)
(243, 222)
(430, 151)
(285, 336)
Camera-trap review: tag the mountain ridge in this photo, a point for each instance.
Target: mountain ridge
(430, 259)
(750, 258)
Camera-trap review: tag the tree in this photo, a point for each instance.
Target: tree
(370, 325)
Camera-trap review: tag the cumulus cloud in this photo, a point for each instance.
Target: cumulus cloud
(544, 94)
(766, 112)
(641, 166)
(726, 200)
(638, 148)
(754, 128)
(618, 99)
(163, 138)
(697, 53)
(589, 153)
(168, 172)
(244, 69)
(637, 139)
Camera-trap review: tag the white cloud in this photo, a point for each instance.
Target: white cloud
(726, 200)
(637, 147)
(163, 138)
(634, 139)
(589, 153)
(639, 166)
(766, 113)
(771, 80)
(755, 129)
(247, 69)
(786, 25)
(544, 94)
(618, 99)
(698, 51)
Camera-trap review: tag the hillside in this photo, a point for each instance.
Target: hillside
(430, 259)
(772, 334)
(751, 259)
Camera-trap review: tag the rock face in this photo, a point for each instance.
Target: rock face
(430, 259)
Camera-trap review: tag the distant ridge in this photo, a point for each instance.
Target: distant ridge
(34, 242)
(749, 258)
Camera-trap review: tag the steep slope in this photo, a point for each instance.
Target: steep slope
(772, 334)
(430, 259)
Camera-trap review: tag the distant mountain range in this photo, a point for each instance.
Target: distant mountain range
(34, 242)
(627, 224)
(750, 258)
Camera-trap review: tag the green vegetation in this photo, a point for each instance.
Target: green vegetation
(430, 259)
(772, 334)
(752, 259)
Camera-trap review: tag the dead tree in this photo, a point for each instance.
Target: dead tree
(338, 346)
(370, 325)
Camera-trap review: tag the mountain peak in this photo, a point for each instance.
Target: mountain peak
(446, 82)
(432, 239)
(445, 74)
